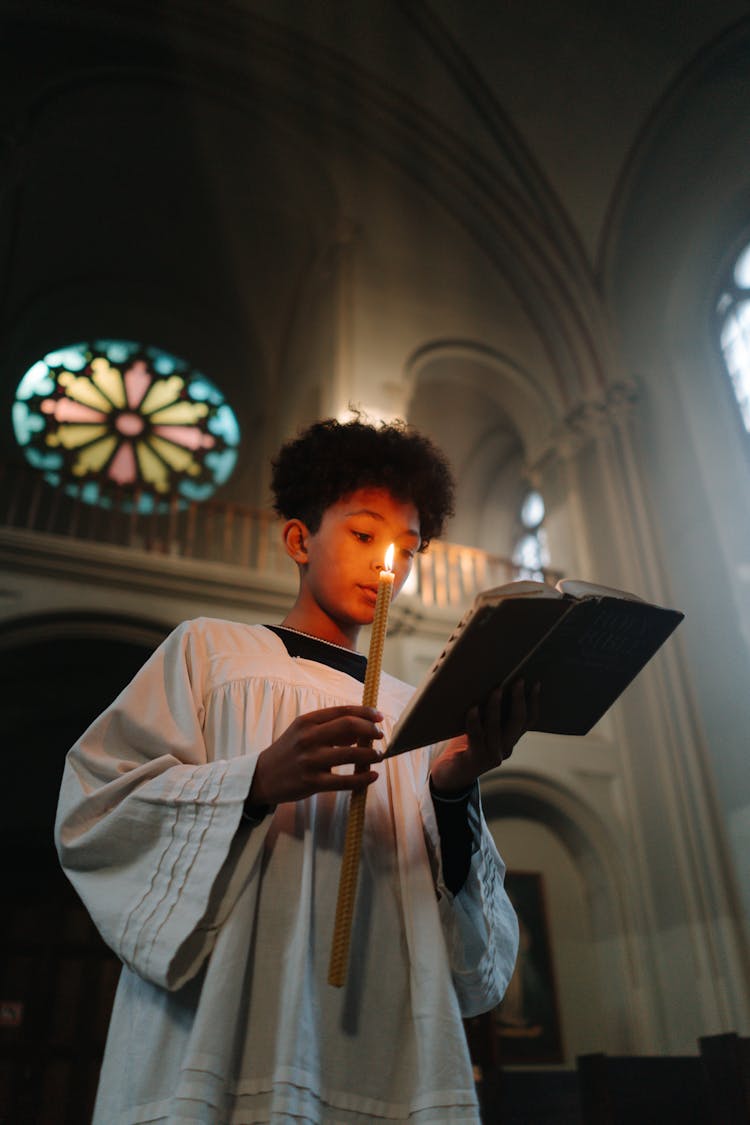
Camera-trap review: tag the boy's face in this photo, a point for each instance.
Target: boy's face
(347, 552)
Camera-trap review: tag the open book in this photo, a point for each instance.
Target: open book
(583, 643)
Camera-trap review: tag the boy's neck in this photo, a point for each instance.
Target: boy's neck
(315, 623)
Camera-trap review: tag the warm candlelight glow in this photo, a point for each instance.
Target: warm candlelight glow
(389, 557)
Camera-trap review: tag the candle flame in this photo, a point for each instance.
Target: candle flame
(389, 557)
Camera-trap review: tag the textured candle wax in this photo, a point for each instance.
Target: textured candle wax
(355, 824)
(377, 638)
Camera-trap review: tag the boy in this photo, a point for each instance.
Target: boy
(202, 819)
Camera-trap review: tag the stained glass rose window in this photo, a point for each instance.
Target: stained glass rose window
(112, 416)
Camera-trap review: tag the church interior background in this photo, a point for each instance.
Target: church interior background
(524, 229)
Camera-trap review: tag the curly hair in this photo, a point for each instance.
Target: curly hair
(330, 460)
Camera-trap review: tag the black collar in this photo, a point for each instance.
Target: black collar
(324, 652)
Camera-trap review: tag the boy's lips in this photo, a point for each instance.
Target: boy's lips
(370, 592)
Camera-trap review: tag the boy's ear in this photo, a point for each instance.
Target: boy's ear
(295, 535)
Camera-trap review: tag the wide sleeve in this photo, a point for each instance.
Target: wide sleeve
(479, 922)
(147, 821)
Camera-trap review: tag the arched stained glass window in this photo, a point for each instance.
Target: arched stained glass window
(531, 553)
(114, 416)
(734, 332)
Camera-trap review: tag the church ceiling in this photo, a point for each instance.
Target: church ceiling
(275, 189)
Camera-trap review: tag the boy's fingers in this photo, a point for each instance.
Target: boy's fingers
(358, 756)
(518, 720)
(346, 731)
(535, 706)
(505, 717)
(329, 714)
(474, 729)
(520, 705)
(495, 717)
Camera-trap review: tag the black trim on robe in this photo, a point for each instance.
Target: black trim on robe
(310, 648)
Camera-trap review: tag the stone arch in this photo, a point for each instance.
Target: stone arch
(38, 628)
(507, 416)
(678, 218)
(504, 203)
(205, 233)
(620, 964)
(59, 672)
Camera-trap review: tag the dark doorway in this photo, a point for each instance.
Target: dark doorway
(57, 978)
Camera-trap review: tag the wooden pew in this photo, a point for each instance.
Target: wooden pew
(643, 1090)
(726, 1063)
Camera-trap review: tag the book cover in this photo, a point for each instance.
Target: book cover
(583, 647)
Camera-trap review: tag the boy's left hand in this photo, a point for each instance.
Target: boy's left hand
(491, 734)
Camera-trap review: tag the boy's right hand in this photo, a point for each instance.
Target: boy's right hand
(301, 761)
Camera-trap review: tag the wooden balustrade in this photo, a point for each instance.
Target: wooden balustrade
(446, 575)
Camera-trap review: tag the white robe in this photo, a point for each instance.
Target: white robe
(223, 1012)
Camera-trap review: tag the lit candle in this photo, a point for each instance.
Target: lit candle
(355, 825)
(377, 636)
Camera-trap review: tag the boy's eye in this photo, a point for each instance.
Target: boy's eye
(406, 553)
(362, 536)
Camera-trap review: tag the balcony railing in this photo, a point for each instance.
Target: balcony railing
(447, 574)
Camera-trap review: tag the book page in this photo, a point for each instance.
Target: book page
(577, 588)
(523, 588)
